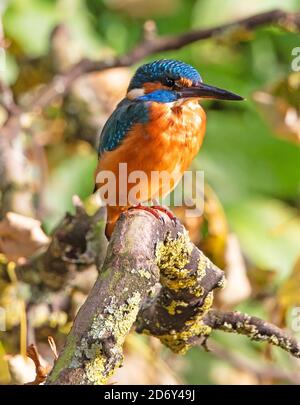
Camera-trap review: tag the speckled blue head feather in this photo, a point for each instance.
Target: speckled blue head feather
(159, 70)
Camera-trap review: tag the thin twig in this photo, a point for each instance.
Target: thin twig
(7, 99)
(152, 44)
(253, 327)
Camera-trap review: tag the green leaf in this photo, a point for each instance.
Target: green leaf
(269, 232)
(240, 157)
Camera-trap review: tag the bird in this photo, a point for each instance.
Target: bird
(158, 127)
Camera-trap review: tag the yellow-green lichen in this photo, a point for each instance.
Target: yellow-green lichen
(144, 273)
(183, 279)
(115, 322)
(207, 302)
(181, 341)
(202, 266)
(186, 281)
(173, 255)
(141, 272)
(198, 291)
(95, 371)
(222, 282)
(172, 308)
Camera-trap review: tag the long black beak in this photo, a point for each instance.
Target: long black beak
(206, 91)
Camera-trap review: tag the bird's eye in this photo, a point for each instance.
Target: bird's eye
(169, 82)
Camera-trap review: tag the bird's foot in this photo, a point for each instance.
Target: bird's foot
(154, 210)
(167, 212)
(147, 209)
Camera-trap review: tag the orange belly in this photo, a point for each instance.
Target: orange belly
(164, 146)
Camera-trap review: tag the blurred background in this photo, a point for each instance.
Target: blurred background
(250, 157)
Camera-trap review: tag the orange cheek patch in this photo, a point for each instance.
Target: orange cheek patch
(184, 82)
(149, 87)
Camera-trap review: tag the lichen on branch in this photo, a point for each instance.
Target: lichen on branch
(94, 346)
(253, 327)
(188, 279)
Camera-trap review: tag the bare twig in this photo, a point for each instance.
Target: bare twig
(253, 327)
(41, 371)
(7, 99)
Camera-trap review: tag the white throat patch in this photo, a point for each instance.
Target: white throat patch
(135, 93)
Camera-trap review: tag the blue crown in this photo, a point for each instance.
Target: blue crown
(160, 70)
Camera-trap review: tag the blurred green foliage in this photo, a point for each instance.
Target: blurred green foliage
(254, 172)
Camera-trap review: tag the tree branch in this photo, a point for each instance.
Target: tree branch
(94, 346)
(188, 279)
(141, 253)
(7, 99)
(152, 44)
(253, 327)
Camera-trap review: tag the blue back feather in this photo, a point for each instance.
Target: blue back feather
(120, 122)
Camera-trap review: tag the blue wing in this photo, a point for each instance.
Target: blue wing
(126, 114)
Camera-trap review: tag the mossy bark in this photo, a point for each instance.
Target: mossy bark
(94, 347)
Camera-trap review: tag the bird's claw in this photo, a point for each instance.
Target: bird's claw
(174, 221)
(162, 220)
(167, 212)
(154, 211)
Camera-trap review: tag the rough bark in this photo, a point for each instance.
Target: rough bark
(94, 346)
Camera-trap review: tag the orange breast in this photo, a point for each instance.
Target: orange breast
(168, 143)
(177, 132)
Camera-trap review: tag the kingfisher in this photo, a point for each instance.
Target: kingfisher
(158, 127)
